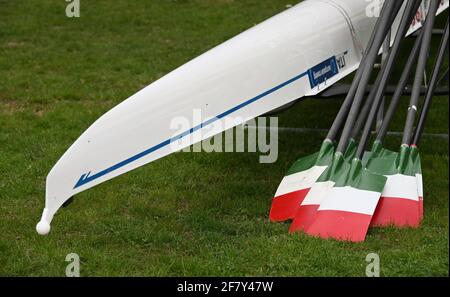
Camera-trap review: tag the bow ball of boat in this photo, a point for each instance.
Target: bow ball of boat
(299, 52)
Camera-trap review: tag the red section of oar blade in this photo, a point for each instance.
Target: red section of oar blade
(303, 218)
(284, 207)
(340, 225)
(398, 212)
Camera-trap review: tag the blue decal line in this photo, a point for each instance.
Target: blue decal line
(87, 177)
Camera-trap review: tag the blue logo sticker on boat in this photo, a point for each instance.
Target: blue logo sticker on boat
(323, 71)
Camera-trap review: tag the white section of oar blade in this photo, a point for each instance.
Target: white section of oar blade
(401, 186)
(43, 226)
(419, 184)
(351, 200)
(318, 192)
(300, 180)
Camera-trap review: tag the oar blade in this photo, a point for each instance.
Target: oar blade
(347, 211)
(318, 192)
(294, 187)
(399, 203)
(298, 181)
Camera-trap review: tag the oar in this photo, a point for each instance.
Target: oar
(414, 154)
(399, 203)
(305, 171)
(340, 167)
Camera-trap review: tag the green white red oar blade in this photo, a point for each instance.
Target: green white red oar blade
(307, 210)
(399, 203)
(299, 179)
(346, 213)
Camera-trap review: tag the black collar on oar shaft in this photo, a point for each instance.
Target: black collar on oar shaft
(384, 75)
(431, 86)
(389, 8)
(346, 105)
(418, 78)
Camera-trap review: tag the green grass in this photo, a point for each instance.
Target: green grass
(187, 214)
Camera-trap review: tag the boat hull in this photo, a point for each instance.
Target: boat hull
(297, 53)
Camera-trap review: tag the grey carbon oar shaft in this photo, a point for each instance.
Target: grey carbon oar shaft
(390, 7)
(400, 88)
(410, 11)
(365, 110)
(363, 115)
(421, 63)
(431, 86)
(343, 112)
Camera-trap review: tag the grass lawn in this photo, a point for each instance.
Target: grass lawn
(193, 214)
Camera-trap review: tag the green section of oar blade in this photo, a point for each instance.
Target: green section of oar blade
(323, 157)
(390, 164)
(351, 150)
(356, 176)
(303, 164)
(386, 153)
(382, 165)
(339, 170)
(415, 160)
(341, 164)
(368, 155)
(377, 147)
(326, 153)
(380, 151)
(363, 179)
(404, 162)
(413, 166)
(377, 151)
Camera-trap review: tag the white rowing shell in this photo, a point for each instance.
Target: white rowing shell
(297, 53)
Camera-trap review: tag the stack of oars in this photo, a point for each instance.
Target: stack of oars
(340, 191)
